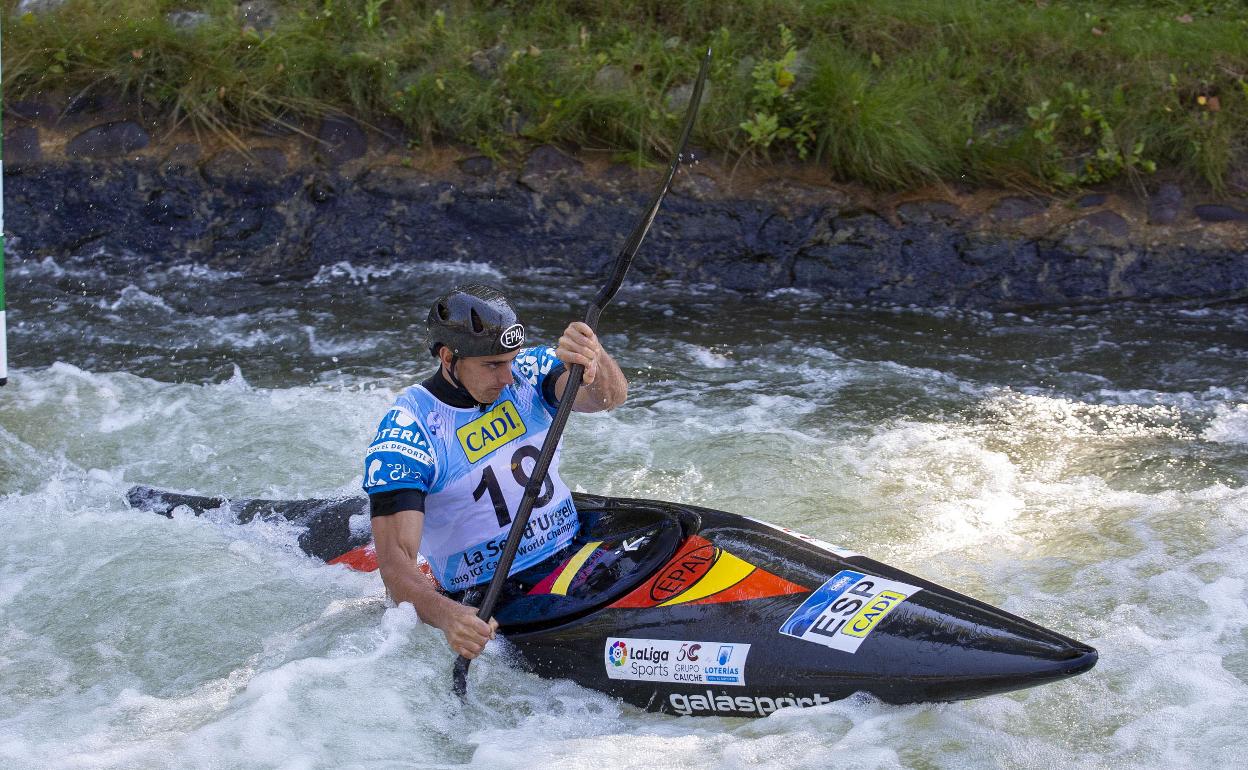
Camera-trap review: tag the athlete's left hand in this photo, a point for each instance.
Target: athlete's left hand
(579, 345)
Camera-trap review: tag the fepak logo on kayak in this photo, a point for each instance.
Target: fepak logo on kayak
(674, 660)
(842, 612)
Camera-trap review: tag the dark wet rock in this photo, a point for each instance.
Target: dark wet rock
(983, 251)
(183, 158)
(397, 182)
(1096, 229)
(31, 110)
(477, 165)
(545, 167)
(168, 206)
(251, 213)
(322, 190)
(623, 176)
(84, 105)
(21, 144)
(1015, 209)
(258, 15)
(108, 140)
(252, 171)
(339, 140)
(1108, 222)
(1210, 212)
(691, 184)
(927, 212)
(1164, 205)
(1091, 199)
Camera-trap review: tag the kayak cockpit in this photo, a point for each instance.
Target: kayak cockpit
(618, 548)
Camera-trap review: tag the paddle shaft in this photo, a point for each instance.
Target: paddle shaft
(575, 372)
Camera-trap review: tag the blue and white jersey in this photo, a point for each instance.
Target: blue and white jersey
(473, 466)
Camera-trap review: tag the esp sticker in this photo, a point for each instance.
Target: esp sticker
(845, 610)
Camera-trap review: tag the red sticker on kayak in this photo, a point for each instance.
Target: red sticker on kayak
(362, 559)
(682, 572)
(700, 573)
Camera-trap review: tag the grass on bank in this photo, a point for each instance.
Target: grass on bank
(889, 93)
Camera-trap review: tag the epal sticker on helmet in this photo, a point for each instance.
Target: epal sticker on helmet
(512, 337)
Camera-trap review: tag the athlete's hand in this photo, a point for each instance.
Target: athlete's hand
(466, 633)
(579, 345)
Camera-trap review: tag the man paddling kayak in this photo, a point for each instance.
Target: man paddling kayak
(447, 467)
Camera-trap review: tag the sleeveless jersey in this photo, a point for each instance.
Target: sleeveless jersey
(472, 466)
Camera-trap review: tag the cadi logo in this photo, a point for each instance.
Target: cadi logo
(618, 654)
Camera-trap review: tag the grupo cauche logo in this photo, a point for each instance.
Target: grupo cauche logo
(618, 654)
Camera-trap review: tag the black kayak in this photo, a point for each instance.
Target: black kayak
(693, 611)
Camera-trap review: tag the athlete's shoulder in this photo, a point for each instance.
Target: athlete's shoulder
(400, 454)
(534, 364)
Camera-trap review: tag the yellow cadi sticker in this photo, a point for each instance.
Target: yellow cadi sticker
(883, 603)
(490, 431)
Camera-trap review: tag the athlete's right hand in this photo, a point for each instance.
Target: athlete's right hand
(466, 633)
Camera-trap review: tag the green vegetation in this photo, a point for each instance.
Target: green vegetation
(889, 93)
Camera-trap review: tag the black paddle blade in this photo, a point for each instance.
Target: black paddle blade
(459, 677)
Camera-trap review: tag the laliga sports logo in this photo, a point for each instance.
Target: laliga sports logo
(618, 654)
(512, 336)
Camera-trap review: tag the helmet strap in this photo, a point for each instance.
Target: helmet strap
(459, 386)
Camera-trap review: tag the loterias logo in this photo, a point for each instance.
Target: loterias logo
(617, 654)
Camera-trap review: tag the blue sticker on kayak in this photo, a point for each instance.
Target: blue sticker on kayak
(842, 612)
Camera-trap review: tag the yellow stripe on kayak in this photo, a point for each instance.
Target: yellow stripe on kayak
(726, 572)
(575, 563)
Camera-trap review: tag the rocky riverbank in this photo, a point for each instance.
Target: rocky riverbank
(283, 204)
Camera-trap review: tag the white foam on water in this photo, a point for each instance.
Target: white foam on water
(1229, 425)
(350, 272)
(129, 640)
(133, 296)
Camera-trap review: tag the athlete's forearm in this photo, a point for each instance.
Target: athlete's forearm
(409, 584)
(608, 390)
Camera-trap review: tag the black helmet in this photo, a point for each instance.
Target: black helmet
(474, 320)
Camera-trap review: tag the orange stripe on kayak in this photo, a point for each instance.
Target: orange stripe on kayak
(727, 579)
(362, 559)
(727, 571)
(695, 558)
(759, 584)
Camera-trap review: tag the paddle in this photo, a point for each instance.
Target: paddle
(575, 372)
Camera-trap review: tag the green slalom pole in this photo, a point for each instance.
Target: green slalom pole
(4, 348)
